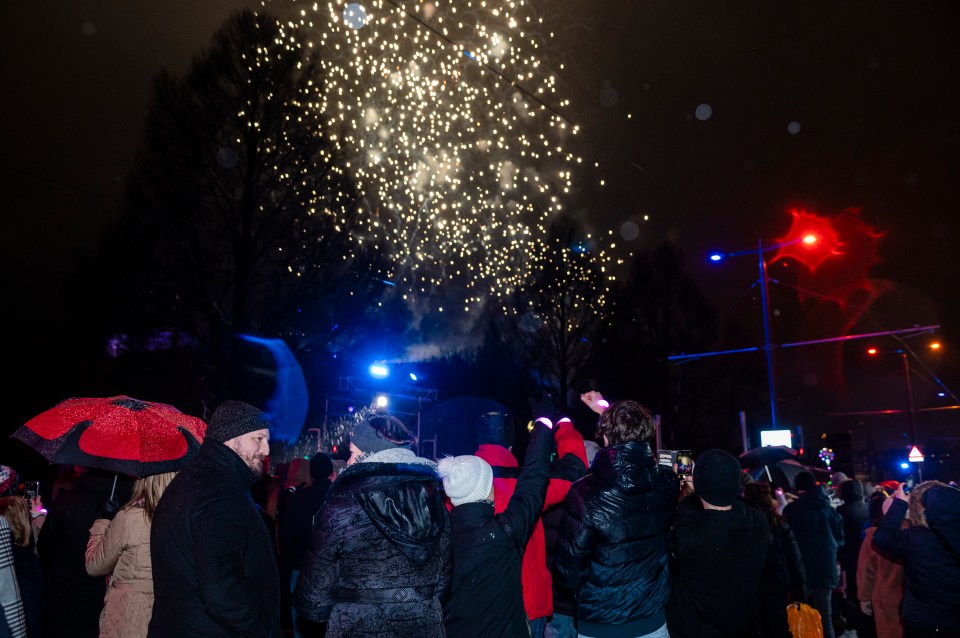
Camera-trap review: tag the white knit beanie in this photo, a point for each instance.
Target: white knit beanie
(466, 479)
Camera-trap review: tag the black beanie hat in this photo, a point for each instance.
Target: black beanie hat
(716, 477)
(804, 481)
(495, 428)
(321, 466)
(233, 419)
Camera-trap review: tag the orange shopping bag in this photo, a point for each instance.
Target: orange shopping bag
(804, 621)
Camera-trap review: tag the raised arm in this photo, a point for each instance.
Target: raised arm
(523, 510)
(889, 538)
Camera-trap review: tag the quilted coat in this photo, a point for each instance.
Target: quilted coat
(120, 549)
(379, 562)
(615, 536)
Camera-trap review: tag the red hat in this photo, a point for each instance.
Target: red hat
(890, 485)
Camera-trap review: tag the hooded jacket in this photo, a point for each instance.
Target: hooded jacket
(931, 573)
(716, 559)
(379, 562)
(570, 465)
(214, 570)
(818, 529)
(614, 539)
(486, 597)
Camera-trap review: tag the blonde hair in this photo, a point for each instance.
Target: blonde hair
(147, 492)
(915, 507)
(14, 509)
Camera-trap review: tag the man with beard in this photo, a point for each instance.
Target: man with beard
(214, 570)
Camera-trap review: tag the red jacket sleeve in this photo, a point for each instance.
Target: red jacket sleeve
(572, 461)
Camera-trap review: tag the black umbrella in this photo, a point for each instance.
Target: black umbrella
(784, 473)
(767, 455)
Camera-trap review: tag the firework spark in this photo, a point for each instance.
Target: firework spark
(447, 116)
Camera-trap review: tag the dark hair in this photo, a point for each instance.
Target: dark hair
(627, 421)
(851, 491)
(321, 466)
(392, 429)
(875, 505)
(759, 496)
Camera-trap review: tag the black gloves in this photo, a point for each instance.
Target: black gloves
(109, 509)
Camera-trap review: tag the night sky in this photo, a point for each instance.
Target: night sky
(710, 121)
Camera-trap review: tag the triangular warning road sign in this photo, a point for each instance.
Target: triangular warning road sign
(915, 456)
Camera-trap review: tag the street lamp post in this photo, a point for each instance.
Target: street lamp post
(768, 345)
(909, 385)
(905, 354)
(765, 311)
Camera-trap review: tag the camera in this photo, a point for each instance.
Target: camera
(31, 489)
(683, 459)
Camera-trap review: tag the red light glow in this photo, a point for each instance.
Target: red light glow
(871, 351)
(811, 240)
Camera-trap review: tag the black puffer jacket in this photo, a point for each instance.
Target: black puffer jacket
(487, 594)
(615, 535)
(380, 561)
(214, 570)
(931, 571)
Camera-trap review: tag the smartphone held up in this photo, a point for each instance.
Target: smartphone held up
(909, 484)
(31, 489)
(680, 460)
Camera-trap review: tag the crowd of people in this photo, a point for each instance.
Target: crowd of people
(583, 539)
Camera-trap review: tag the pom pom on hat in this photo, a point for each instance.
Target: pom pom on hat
(716, 477)
(466, 479)
(233, 419)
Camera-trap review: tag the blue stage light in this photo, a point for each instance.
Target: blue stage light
(379, 370)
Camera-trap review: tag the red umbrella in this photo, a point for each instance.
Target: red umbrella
(119, 434)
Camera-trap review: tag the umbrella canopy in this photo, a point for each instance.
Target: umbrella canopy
(768, 455)
(119, 434)
(784, 473)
